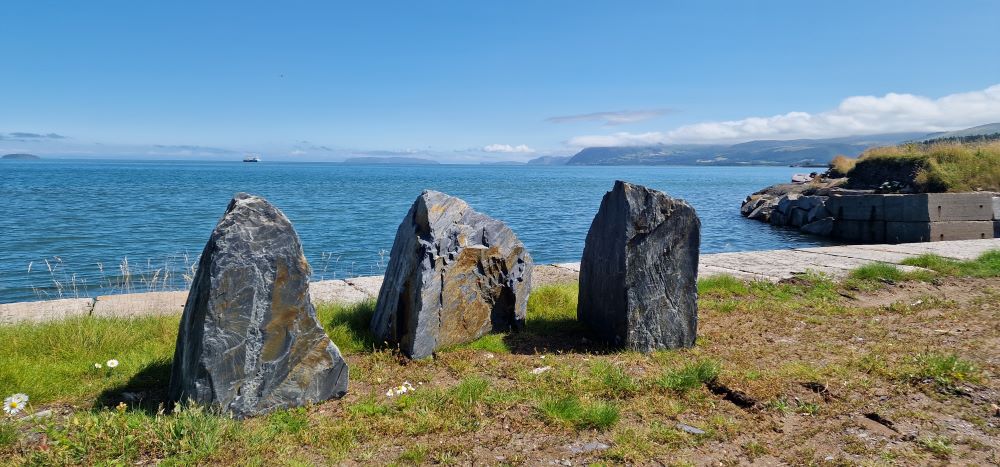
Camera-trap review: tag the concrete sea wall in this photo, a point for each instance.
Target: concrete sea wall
(884, 218)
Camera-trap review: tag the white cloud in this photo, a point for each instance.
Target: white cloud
(619, 117)
(858, 115)
(617, 139)
(506, 148)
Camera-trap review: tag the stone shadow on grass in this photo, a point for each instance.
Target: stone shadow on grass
(145, 391)
(555, 335)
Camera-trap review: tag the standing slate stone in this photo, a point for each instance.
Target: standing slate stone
(638, 276)
(454, 275)
(249, 341)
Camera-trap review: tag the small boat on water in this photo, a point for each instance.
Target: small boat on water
(251, 158)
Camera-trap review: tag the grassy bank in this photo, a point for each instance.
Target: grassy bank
(943, 167)
(879, 368)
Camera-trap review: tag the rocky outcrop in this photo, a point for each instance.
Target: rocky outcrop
(454, 275)
(638, 275)
(249, 341)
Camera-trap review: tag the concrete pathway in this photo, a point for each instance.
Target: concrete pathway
(772, 265)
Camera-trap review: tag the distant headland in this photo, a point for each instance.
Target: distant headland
(20, 157)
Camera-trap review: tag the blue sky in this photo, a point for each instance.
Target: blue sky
(468, 81)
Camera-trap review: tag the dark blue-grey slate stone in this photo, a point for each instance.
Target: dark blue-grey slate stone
(454, 274)
(639, 272)
(249, 341)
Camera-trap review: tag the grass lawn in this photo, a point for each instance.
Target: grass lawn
(885, 367)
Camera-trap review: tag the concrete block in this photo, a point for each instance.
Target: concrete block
(370, 285)
(140, 304)
(859, 231)
(49, 310)
(705, 271)
(911, 232)
(857, 207)
(996, 208)
(860, 252)
(544, 274)
(960, 249)
(938, 207)
(335, 291)
(571, 266)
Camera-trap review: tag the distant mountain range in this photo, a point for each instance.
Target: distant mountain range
(544, 160)
(22, 157)
(986, 132)
(799, 152)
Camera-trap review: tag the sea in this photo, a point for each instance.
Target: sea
(81, 228)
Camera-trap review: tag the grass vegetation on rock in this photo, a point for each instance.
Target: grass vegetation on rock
(886, 367)
(930, 168)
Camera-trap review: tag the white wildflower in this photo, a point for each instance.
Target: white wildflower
(15, 404)
(112, 363)
(400, 390)
(98, 366)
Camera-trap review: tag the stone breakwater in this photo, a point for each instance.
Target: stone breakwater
(770, 265)
(865, 217)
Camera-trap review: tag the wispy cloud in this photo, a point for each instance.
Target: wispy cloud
(858, 115)
(506, 148)
(619, 117)
(22, 136)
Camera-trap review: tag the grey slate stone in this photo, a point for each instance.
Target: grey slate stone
(249, 341)
(454, 274)
(762, 212)
(822, 227)
(638, 275)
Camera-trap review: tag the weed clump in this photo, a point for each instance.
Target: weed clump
(571, 411)
(946, 371)
(690, 376)
(986, 265)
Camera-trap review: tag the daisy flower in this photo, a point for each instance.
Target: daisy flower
(98, 366)
(112, 363)
(400, 390)
(15, 404)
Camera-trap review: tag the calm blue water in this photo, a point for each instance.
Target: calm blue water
(86, 217)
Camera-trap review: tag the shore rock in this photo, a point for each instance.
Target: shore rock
(454, 275)
(249, 341)
(822, 227)
(638, 275)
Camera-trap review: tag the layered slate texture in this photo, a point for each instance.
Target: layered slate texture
(638, 275)
(249, 341)
(454, 275)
